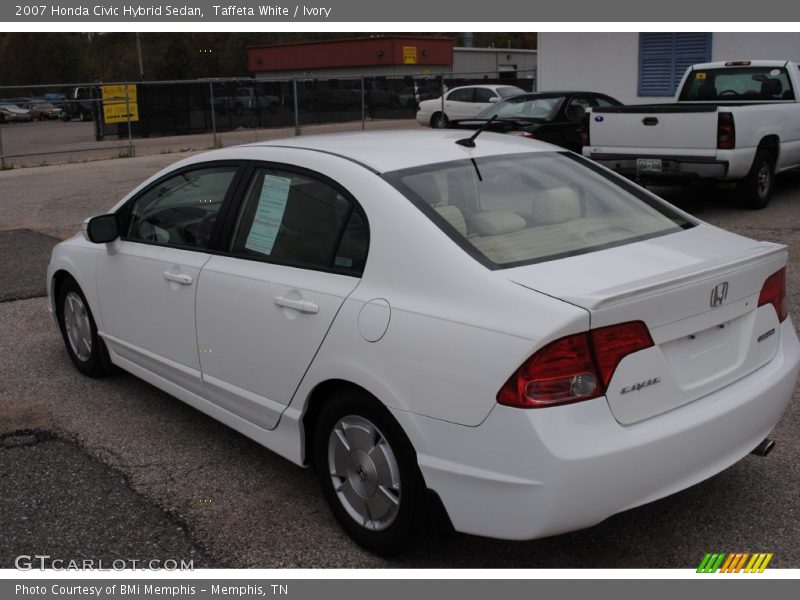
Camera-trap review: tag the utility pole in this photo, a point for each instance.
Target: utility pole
(139, 54)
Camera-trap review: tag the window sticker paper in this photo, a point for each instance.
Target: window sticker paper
(269, 214)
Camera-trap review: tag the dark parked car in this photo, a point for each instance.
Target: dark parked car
(553, 117)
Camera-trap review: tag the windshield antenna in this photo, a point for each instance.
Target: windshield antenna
(470, 141)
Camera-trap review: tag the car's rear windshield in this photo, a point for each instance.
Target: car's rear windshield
(738, 84)
(519, 209)
(508, 91)
(524, 107)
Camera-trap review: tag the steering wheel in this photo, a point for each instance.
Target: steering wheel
(728, 93)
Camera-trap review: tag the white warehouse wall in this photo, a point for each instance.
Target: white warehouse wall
(738, 46)
(609, 62)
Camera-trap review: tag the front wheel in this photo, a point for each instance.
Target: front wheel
(79, 331)
(368, 472)
(755, 190)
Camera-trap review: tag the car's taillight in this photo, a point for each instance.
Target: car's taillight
(774, 292)
(573, 368)
(585, 130)
(726, 131)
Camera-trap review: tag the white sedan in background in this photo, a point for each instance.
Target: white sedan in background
(494, 331)
(462, 103)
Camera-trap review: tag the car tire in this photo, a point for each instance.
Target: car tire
(368, 471)
(755, 190)
(440, 121)
(85, 348)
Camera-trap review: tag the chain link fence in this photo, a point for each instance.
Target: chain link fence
(47, 124)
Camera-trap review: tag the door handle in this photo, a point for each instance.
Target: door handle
(181, 278)
(303, 306)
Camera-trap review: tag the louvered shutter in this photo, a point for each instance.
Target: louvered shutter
(663, 58)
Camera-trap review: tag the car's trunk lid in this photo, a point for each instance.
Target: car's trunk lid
(697, 291)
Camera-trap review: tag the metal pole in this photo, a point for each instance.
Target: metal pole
(442, 98)
(139, 54)
(213, 118)
(2, 155)
(296, 111)
(363, 120)
(128, 110)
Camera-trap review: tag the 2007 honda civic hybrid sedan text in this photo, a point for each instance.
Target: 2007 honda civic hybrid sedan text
(494, 331)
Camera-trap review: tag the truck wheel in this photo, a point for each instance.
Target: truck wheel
(755, 190)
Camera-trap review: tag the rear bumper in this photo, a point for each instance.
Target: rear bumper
(674, 168)
(524, 474)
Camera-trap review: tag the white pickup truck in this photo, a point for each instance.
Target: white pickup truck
(736, 121)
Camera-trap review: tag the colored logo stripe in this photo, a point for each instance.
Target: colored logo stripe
(734, 562)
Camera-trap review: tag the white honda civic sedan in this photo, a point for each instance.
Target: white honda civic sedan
(494, 332)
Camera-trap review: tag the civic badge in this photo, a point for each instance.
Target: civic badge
(718, 294)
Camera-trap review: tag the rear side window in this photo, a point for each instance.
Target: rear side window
(462, 95)
(519, 209)
(484, 95)
(299, 220)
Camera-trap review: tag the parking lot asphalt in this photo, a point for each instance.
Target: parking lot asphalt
(246, 507)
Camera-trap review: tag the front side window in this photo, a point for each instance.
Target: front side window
(299, 220)
(524, 208)
(178, 211)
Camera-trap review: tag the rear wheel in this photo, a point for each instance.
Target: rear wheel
(440, 121)
(79, 331)
(368, 472)
(755, 191)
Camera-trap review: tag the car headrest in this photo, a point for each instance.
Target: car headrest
(771, 88)
(556, 205)
(496, 222)
(454, 216)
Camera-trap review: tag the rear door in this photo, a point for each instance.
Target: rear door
(460, 104)
(265, 302)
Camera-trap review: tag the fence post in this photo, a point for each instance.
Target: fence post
(2, 154)
(128, 110)
(441, 120)
(363, 120)
(213, 116)
(296, 110)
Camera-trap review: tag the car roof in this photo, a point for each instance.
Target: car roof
(732, 64)
(489, 86)
(559, 93)
(383, 151)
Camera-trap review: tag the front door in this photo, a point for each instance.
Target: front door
(147, 281)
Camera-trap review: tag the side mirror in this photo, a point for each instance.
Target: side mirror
(102, 229)
(494, 99)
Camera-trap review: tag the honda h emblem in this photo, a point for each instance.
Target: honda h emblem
(718, 294)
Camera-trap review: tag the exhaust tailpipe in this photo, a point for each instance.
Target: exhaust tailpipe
(764, 448)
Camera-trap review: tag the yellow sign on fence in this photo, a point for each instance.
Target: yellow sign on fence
(409, 55)
(119, 103)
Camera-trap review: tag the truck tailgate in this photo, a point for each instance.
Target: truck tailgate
(676, 127)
